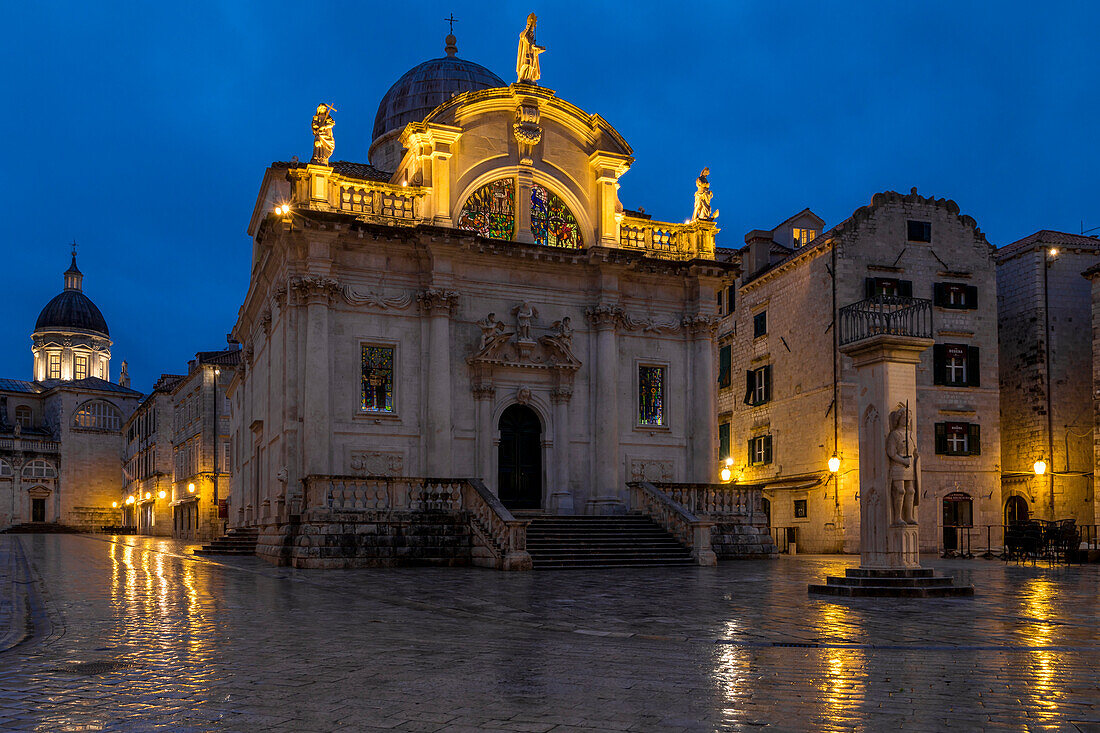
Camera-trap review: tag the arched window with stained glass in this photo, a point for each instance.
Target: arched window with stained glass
(552, 223)
(491, 210)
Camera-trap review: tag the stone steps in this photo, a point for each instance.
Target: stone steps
(560, 543)
(241, 541)
(42, 528)
(892, 583)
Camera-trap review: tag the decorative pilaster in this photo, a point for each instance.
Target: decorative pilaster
(317, 293)
(608, 167)
(561, 498)
(604, 318)
(703, 427)
(437, 305)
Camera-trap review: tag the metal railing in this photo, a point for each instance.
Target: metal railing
(885, 314)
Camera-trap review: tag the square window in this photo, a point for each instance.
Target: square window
(919, 231)
(651, 395)
(799, 508)
(377, 390)
(760, 450)
(760, 324)
(958, 439)
(803, 237)
(80, 367)
(54, 369)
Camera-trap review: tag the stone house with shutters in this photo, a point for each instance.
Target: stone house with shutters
(787, 396)
(147, 462)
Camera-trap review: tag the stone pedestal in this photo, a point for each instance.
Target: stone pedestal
(889, 475)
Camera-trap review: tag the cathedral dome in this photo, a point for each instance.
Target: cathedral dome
(423, 88)
(71, 309)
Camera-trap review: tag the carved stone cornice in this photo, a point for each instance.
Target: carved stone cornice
(314, 289)
(278, 295)
(604, 316)
(561, 394)
(436, 300)
(484, 391)
(649, 325)
(265, 322)
(700, 324)
(376, 300)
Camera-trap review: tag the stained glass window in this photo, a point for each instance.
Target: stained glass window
(651, 395)
(377, 379)
(491, 210)
(552, 222)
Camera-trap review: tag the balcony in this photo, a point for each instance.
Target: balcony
(29, 445)
(667, 241)
(892, 315)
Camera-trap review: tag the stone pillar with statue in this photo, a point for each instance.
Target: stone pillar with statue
(885, 338)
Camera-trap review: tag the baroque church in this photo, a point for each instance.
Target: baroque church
(61, 430)
(475, 302)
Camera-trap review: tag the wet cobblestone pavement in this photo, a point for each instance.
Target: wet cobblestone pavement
(135, 634)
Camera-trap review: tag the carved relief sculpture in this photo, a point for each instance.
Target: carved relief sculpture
(703, 196)
(323, 141)
(524, 313)
(492, 332)
(904, 473)
(527, 57)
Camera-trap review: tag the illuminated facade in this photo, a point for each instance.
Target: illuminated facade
(477, 303)
(61, 433)
(147, 462)
(788, 398)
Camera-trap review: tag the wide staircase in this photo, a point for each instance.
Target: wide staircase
(622, 541)
(41, 528)
(238, 541)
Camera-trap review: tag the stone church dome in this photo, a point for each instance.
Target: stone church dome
(71, 309)
(420, 90)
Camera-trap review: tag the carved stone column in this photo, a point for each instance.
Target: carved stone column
(437, 305)
(703, 399)
(524, 181)
(484, 392)
(561, 498)
(604, 318)
(317, 293)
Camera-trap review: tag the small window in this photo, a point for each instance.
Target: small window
(803, 237)
(719, 298)
(919, 231)
(799, 508)
(731, 299)
(955, 295)
(888, 286)
(958, 439)
(760, 324)
(758, 385)
(80, 367)
(54, 367)
(725, 368)
(956, 365)
(651, 395)
(760, 450)
(23, 416)
(723, 441)
(5, 469)
(377, 392)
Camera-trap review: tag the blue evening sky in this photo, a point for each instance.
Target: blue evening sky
(142, 130)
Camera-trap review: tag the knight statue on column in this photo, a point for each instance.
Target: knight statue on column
(904, 474)
(323, 141)
(527, 58)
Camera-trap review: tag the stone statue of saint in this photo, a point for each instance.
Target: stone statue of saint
(527, 59)
(703, 195)
(492, 331)
(562, 331)
(323, 141)
(524, 313)
(904, 473)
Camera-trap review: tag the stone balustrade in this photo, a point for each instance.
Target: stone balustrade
(715, 500)
(693, 532)
(29, 446)
(667, 241)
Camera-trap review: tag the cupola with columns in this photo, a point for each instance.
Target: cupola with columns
(70, 338)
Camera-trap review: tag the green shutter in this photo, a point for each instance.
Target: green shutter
(974, 440)
(941, 438)
(973, 368)
(723, 441)
(724, 366)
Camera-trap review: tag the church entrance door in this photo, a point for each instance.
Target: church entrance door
(519, 464)
(38, 510)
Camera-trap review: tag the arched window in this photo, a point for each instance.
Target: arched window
(98, 415)
(39, 469)
(491, 210)
(23, 416)
(552, 223)
(1016, 510)
(5, 469)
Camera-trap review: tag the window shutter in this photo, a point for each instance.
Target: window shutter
(724, 367)
(767, 440)
(752, 458)
(869, 287)
(941, 438)
(939, 364)
(731, 303)
(723, 441)
(748, 387)
(938, 294)
(973, 368)
(971, 296)
(767, 374)
(974, 440)
(905, 288)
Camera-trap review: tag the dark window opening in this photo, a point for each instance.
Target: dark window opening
(760, 324)
(919, 231)
(799, 508)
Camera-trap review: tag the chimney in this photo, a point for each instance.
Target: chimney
(759, 253)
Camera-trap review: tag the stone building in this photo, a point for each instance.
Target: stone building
(148, 461)
(477, 304)
(200, 440)
(61, 432)
(787, 399)
(1046, 351)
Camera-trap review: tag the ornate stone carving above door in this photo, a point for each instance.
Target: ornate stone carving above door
(648, 469)
(376, 463)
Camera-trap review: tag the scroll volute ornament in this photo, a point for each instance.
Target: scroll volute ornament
(527, 130)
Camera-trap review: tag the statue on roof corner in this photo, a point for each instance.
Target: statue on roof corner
(323, 141)
(527, 59)
(703, 195)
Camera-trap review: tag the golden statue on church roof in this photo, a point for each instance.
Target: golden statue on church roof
(527, 58)
(323, 141)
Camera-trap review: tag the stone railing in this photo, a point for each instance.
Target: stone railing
(30, 446)
(321, 188)
(502, 537)
(379, 199)
(715, 500)
(668, 241)
(693, 532)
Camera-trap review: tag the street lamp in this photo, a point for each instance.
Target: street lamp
(834, 463)
(1040, 467)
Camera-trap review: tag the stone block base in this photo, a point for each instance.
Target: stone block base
(733, 541)
(892, 583)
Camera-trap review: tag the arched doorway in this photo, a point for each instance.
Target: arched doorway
(1016, 510)
(519, 460)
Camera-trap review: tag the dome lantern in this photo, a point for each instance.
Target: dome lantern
(71, 338)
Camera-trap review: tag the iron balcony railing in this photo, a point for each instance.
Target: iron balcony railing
(886, 314)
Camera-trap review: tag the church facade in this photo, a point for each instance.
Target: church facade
(61, 431)
(483, 308)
